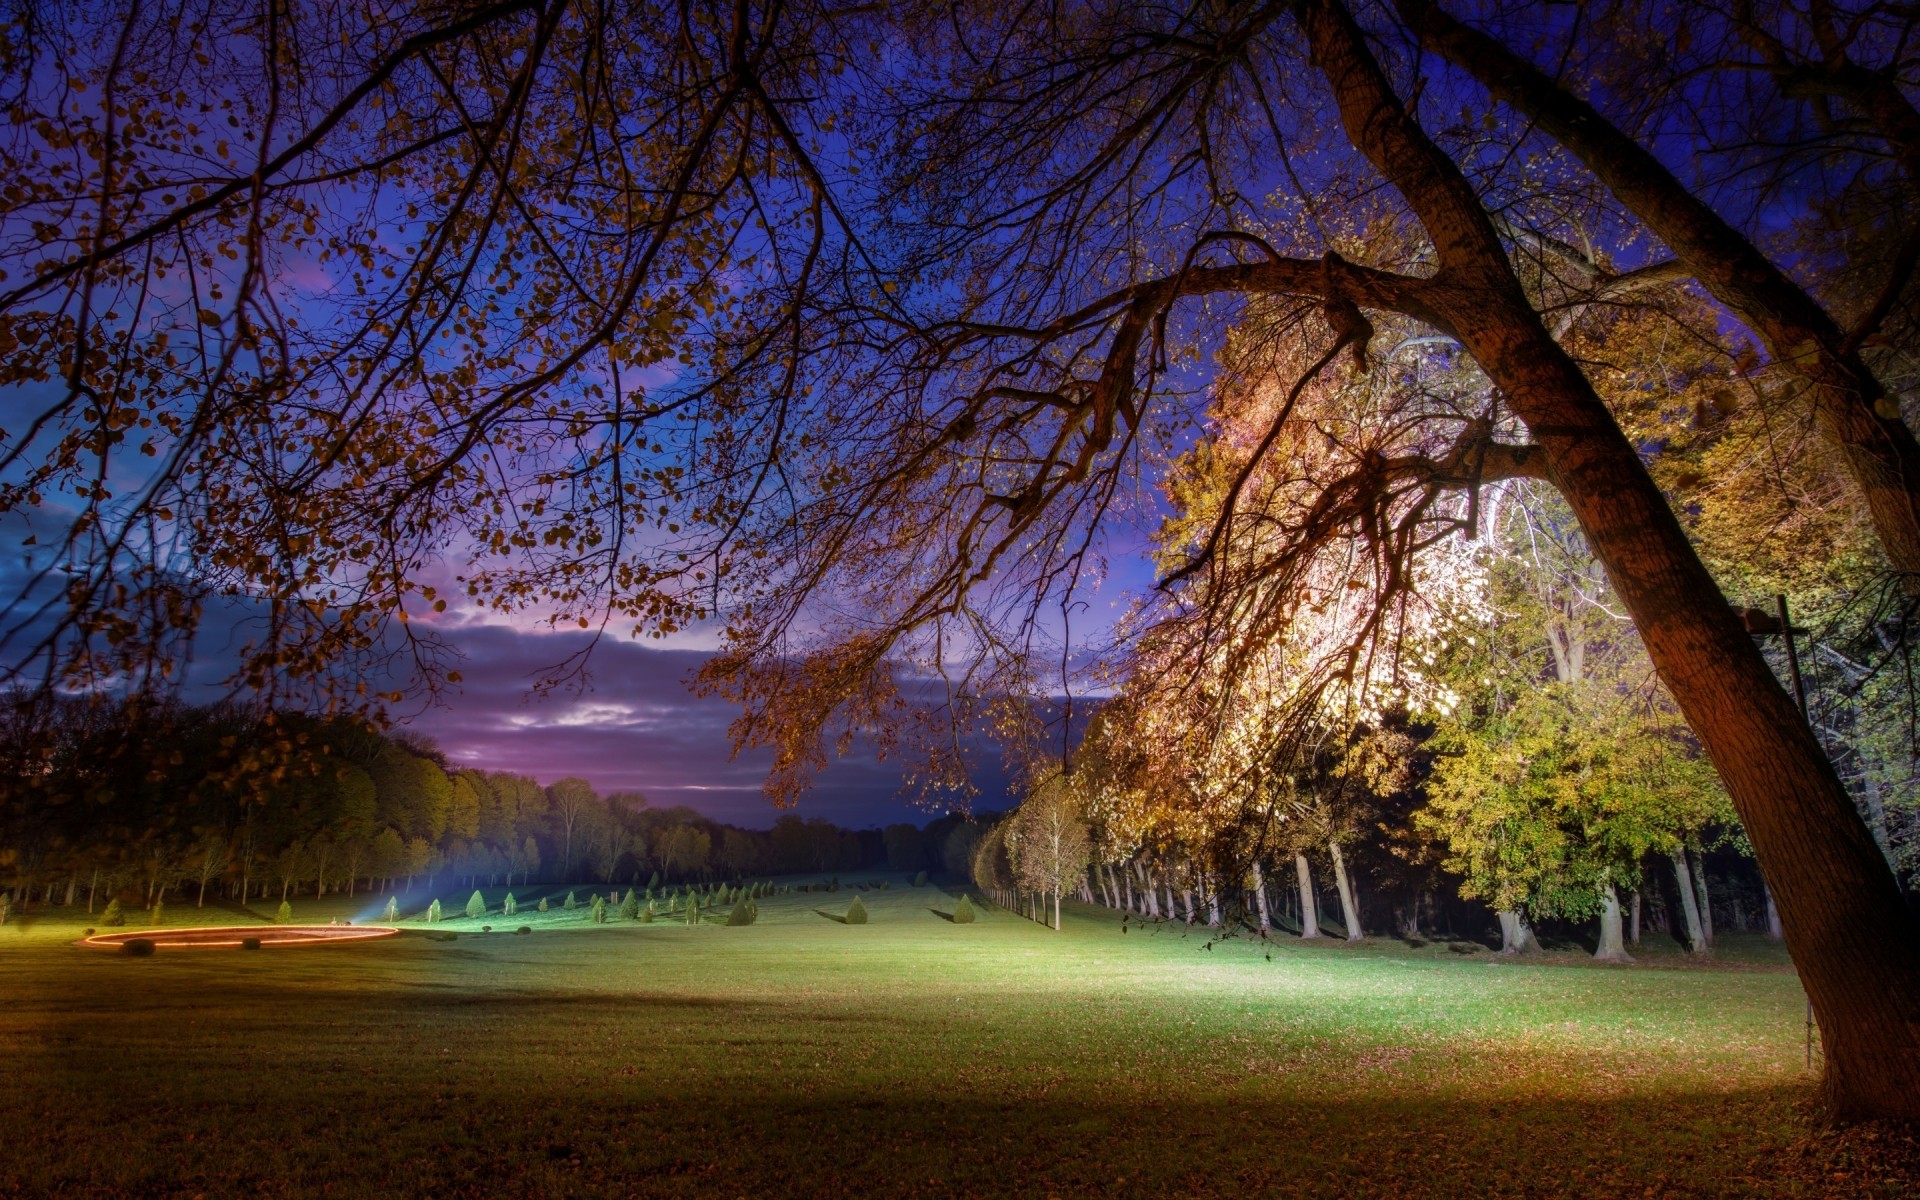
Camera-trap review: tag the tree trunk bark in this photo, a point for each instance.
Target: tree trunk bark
(1848, 928)
(1309, 914)
(1773, 914)
(1349, 904)
(1633, 924)
(1855, 413)
(1612, 947)
(1516, 937)
(1689, 904)
(1260, 897)
(1706, 900)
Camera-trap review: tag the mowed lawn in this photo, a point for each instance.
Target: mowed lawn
(907, 1057)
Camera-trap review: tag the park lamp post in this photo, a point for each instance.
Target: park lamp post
(1762, 624)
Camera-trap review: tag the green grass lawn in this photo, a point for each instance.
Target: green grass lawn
(910, 1056)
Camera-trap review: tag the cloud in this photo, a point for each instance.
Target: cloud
(636, 726)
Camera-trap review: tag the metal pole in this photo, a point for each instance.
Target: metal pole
(1800, 695)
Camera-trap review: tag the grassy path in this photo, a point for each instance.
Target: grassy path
(910, 1056)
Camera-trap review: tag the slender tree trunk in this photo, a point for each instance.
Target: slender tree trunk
(1349, 904)
(1706, 900)
(1612, 947)
(1689, 904)
(1850, 933)
(1260, 897)
(1516, 936)
(1773, 914)
(1309, 914)
(1633, 925)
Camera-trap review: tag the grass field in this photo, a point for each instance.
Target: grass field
(907, 1057)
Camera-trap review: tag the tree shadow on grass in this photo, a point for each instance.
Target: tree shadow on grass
(944, 916)
(830, 916)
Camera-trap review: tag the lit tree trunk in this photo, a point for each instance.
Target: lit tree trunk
(1706, 900)
(1689, 904)
(1516, 936)
(1260, 897)
(1612, 947)
(1855, 413)
(1633, 923)
(1848, 928)
(1309, 914)
(1349, 904)
(1773, 914)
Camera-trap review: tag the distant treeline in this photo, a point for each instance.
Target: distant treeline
(162, 802)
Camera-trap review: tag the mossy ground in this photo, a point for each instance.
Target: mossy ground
(800, 1056)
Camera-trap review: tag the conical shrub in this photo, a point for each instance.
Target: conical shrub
(599, 910)
(476, 904)
(113, 915)
(963, 912)
(569, 902)
(542, 906)
(392, 910)
(285, 915)
(744, 913)
(693, 911)
(856, 912)
(433, 911)
(630, 907)
(508, 907)
(647, 914)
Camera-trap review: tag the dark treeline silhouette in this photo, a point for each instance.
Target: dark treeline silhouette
(158, 803)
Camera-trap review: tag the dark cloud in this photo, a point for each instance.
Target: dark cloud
(637, 726)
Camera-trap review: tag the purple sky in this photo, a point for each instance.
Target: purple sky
(639, 728)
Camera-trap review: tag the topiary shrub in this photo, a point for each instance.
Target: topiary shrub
(542, 906)
(569, 902)
(113, 915)
(433, 912)
(159, 914)
(920, 880)
(285, 915)
(963, 912)
(476, 904)
(524, 929)
(599, 910)
(630, 907)
(486, 929)
(856, 912)
(137, 947)
(744, 913)
(392, 912)
(693, 911)
(653, 881)
(508, 907)
(250, 943)
(646, 913)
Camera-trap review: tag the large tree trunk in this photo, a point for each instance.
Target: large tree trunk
(1855, 412)
(1349, 905)
(1516, 936)
(1848, 928)
(1309, 913)
(1612, 947)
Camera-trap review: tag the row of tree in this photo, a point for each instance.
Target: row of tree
(149, 803)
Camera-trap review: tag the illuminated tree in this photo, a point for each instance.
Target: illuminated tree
(923, 319)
